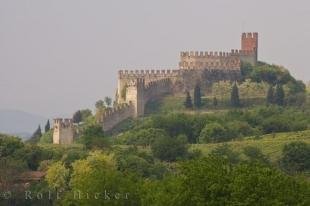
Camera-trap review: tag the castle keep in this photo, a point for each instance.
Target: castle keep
(137, 87)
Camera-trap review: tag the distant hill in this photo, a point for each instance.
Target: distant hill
(19, 123)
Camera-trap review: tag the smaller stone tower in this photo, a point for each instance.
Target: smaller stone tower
(63, 131)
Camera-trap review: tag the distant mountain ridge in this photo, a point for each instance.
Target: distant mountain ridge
(20, 123)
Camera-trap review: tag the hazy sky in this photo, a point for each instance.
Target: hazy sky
(57, 56)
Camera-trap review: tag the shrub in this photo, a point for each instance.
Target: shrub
(296, 157)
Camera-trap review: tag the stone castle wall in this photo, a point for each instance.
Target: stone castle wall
(116, 115)
(137, 87)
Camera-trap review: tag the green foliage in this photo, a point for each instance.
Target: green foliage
(93, 137)
(9, 145)
(188, 101)
(213, 132)
(57, 176)
(234, 98)
(270, 96)
(47, 137)
(77, 117)
(142, 137)
(170, 149)
(36, 135)
(224, 151)
(140, 163)
(98, 174)
(255, 154)
(108, 101)
(100, 104)
(197, 96)
(47, 126)
(214, 181)
(296, 157)
(86, 113)
(279, 95)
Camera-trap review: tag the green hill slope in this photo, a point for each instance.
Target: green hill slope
(271, 144)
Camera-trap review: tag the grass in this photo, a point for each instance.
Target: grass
(271, 144)
(175, 104)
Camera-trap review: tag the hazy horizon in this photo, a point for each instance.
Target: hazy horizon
(62, 55)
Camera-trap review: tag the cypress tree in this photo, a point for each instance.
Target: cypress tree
(215, 102)
(36, 135)
(197, 96)
(279, 95)
(77, 117)
(188, 101)
(234, 100)
(47, 126)
(270, 95)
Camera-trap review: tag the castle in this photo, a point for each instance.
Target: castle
(136, 87)
(63, 131)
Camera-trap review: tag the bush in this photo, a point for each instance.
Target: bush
(296, 157)
(213, 132)
(170, 149)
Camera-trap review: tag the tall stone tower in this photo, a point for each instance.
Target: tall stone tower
(135, 95)
(63, 131)
(249, 41)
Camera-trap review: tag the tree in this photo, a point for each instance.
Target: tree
(224, 151)
(97, 175)
(77, 117)
(255, 154)
(197, 96)
(215, 103)
(235, 101)
(213, 132)
(93, 137)
(108, 101)
(36, 135)
(47, 126)
(85, 114)
(169, 148)
(57, 176)
(270, 96)
(296, 157)
(100, 105)
(279, 95)
(188, 101)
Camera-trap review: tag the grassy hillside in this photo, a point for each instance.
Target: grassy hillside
(271, 144)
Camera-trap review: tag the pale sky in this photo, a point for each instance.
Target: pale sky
(57, 56)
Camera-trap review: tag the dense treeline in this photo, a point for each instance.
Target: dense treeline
(219, 127)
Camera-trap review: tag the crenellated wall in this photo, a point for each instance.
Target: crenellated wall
(116, 115)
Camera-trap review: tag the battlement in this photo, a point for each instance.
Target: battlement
(114, 116)
(233, 64)
(249, 35)
(63, 123)
(115, 110)
(147, 73)
(205, 54)
(236, 52)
